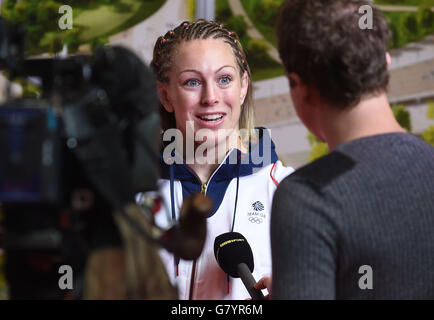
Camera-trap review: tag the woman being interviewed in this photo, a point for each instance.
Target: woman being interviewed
(205, 91)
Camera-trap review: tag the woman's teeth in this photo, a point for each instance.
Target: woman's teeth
(211, 117)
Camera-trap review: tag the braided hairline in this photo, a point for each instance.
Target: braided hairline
(186, 31)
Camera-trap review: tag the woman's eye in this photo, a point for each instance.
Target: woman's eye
(191, 83)
(225, 80)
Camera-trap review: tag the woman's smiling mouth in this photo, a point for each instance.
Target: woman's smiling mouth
(212, 119)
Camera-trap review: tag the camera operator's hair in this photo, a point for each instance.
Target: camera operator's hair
(322, 43)
(200, 29)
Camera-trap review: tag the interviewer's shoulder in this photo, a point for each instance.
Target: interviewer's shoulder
(309, 193)
(321, 172)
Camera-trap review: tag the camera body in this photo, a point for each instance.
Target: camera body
(69, 159)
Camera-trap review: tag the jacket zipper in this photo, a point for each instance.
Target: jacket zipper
(203, 188)
(193, 271)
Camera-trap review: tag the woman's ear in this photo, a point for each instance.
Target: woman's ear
(244, 87)
(164, 96)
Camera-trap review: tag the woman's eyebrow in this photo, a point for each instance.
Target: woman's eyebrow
(226, 66)
(196, 71)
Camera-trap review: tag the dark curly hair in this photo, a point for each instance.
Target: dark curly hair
(321, 41)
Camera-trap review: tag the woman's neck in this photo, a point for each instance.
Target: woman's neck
(203, 171)
(208, 158)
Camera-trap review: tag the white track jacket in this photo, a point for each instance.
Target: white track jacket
(257, 178)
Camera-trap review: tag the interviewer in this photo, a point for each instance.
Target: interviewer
(357, 223)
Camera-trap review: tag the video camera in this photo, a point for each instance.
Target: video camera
(70, 157)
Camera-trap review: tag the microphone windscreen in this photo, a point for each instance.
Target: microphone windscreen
(231, 249)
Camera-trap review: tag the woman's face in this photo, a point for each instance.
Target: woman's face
(204, 87)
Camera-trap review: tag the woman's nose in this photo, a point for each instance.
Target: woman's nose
(209, 95)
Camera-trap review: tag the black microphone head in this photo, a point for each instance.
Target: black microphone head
(231, 249)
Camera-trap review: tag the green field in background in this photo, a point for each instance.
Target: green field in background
(273, 69)
(268, 31)
(404, 2)
(109, 19)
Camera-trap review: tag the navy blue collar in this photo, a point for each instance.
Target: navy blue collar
(236, 165)
(248, 162)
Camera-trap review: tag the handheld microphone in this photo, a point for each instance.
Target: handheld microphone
(187, 238)
(235, 257)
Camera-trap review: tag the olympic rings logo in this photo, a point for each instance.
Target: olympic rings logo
(255, 220)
